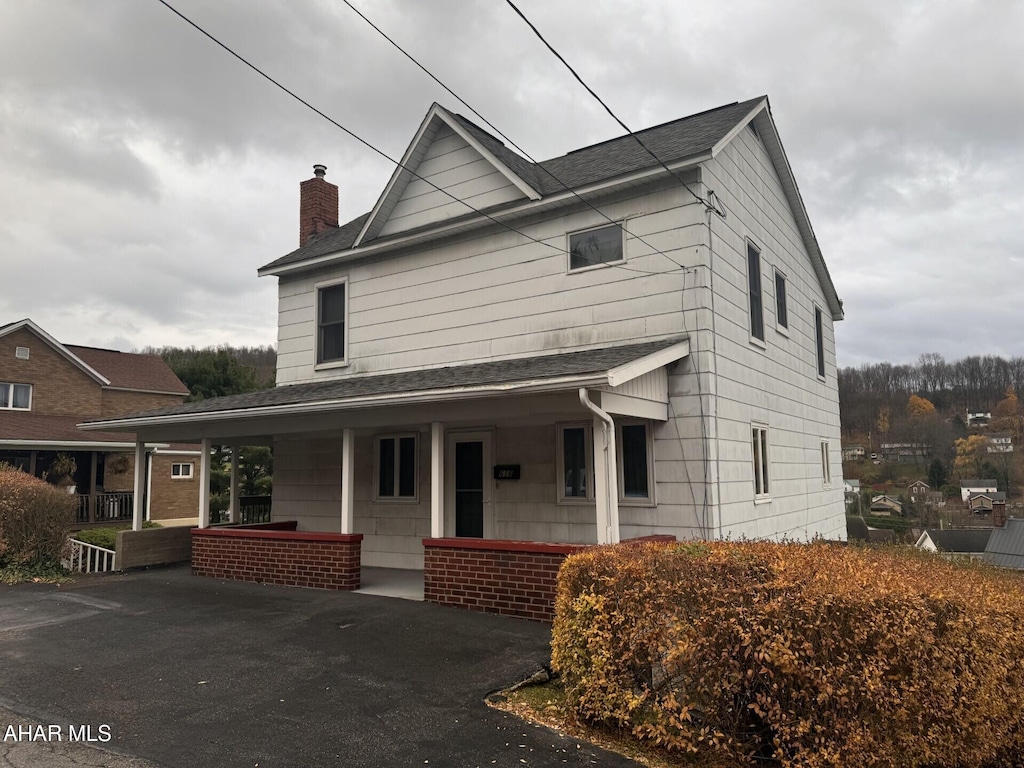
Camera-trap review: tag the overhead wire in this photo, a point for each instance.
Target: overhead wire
(498, 131)
(707, 203)
(381, 152)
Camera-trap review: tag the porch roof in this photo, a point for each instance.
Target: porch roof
(607, 366)
(27, 429)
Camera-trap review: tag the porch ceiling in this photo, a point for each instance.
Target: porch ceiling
(520, 387)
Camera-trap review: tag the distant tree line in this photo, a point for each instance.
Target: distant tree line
(222, 370)
(972, 384)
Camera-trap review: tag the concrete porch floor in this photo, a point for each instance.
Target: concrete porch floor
(391, 582)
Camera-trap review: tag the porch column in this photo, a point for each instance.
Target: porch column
(148, 511)
(233, 488)
(94, 461)
(348, 495)
(204, 484)
(436, 480)
(606, 491)
(140, 485)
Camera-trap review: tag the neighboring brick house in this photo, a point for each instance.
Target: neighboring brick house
(48, 388)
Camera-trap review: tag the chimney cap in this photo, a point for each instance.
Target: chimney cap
(319, 170)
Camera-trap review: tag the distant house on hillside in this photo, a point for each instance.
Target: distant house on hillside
(978, 420)
(985, 503)
(999, 442)
(886, 505)
(853, 452)
(969, 488)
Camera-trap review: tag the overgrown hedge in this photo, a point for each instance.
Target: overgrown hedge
(796, 655)
(107, 537)
(35, 520)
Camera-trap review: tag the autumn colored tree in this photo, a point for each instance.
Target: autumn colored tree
(971, 452)
(919, 408)
(1006, 416)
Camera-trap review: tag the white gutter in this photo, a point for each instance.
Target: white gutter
(77, 445)
(407, 398)
(611, 531)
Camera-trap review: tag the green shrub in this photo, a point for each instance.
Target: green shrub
(798, 655)
(35, 520)
(107, 537)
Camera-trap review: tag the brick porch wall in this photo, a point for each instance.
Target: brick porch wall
(289, 558)
(512, 578)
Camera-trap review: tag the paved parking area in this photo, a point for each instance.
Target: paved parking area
(185, 671)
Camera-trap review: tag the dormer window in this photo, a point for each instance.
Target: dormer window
(594, 247)
(17, 397)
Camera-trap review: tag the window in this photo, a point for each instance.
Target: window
(595, 246)
(635, 463)
(574, 463)
(331, 308)
(16, 397)
(754, 287)
(819, 342)
(181, 471)
(759, 435)
(781, 313)
(826, 470)
(396, 467)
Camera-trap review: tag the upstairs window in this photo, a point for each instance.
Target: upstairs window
(819, 342)
(396, 468)
(754, 289)
(330, 331)
(781, 310)
(593, 247)
(17, 397)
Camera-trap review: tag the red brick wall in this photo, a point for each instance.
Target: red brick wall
(174, 497)
(290, 558)
(513, 578)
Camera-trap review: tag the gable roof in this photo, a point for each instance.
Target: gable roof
(959, 540)
(131, 370)
(977, 483)
(59, 348)
(679, 143)
(519, 374)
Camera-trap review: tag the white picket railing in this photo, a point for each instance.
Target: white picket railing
(88, 558)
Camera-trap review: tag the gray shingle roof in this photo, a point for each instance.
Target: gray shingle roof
(591, 361)
(1006, 545)
(966, 540)
(671, 142)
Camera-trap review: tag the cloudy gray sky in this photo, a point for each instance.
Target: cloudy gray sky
(145, 174)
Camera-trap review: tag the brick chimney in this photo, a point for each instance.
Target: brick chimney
(318, 205)
(998, 514)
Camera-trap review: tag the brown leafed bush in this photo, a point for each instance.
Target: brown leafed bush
(803, 655)
(35, 520)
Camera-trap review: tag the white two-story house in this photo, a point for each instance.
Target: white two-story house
(577, 351)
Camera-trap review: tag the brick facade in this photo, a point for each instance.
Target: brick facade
(289, 558)
(173, 497)
(59, 387)
(513, 578)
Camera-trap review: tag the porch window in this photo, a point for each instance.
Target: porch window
(16, 397)
(574, 463)
(331, 312)
(759, 440)
(396, 467)
(594, 247)
(181, 471)
(635, 463)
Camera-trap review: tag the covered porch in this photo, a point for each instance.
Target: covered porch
(400, 472)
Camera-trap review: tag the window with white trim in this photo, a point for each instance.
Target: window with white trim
(826, 470)
(593, 247)
(781, 308)
(16, 397)
(331, 325)
(181, 470)
(754, 291)
(819, 341)
(574, 463)
(636, 462)
(759, 442)
(395, 458)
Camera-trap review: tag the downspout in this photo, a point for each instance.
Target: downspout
(611, 469)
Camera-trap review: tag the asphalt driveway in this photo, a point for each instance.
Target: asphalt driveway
(191, 672)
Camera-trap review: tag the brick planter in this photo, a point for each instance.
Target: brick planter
(513, 578)
(287, 557)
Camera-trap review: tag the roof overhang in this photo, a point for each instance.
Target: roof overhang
(74, 445)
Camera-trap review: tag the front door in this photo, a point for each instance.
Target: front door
(469, 457)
